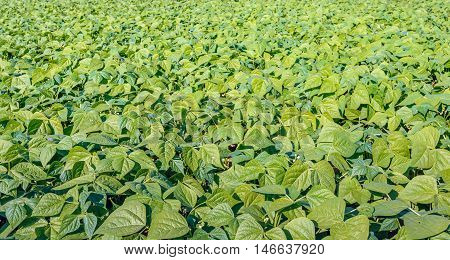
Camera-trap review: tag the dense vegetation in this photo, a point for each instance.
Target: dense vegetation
(220, 119)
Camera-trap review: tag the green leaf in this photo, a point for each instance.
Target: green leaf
(203, 59)
(271, 189)
(330, 106)
(86, 122)
(38, 75)
(220, 196)
(220, 215)
(88, 178)
(209, 153)
(343, 144)
(421, 189)
(420, 227)
(330, 84)
(28, 171)
(301, 229)
(389, 208)
(240, 174)
(101, 139)
(325, 173)
(4, 146)
(400, 164)
(47, 154)
(379, 187)
(76, 154)
(360, 96)
(356, 228)
(379, 118)
(15, 214)
(249, 229)
(328, 213)
(191, 157)
(441, 159)
(167, 224)
(313, 81)
(69, 224)
(259, 86)
(89, 223)
(185, 195)
(22, 82)
(165, 152)
(127, 219)
(299, 176)
(351, 191)
(49, 205)
(317, 195)
(422, 143)
(257, 137)
(34, 126)
(143, 160)
(380, 153)
(276, 234)
(122, 164)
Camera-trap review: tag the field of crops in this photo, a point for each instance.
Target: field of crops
(221, 119)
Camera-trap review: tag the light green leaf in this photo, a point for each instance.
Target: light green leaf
(421, 189)
(15, 214)
(380, 153)
(271, 189)
(101, 139)
(301, 229)
(420, 227)
(185, 195)
(191, 157)
(422, 143)
(328, 213)
(49, 205)
(28, 171)
(76, 154)
(356, 228)
(122, 164)
(86, 122)
(360, 96)
(210, 155)
(143, 160)
(167, 224)
(276, 233)
(343, 143)
(379, 187)
(220, 215)
(259, 86)
(249, 229)
(389, 208)
(313, 81)
(47, 154)
(325, 173)
(88, 178)
(317, 195)
(89, 223)
(165, 152)
(127, 219)
(69, 224)
(257, 137)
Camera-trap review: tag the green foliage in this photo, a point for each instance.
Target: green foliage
(224, 119)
